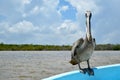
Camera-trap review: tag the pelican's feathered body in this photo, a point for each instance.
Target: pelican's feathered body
(82, 49)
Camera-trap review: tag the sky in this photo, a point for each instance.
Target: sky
(58, 22)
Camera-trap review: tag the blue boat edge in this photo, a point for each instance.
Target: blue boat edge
(77, 71)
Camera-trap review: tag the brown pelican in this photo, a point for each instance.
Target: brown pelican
(82, 49)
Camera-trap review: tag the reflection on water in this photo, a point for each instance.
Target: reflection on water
(35, 65)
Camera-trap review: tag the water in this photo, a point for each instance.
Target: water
(35, 65)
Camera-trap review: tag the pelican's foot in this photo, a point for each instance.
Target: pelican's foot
(83, 70)
(90, 72)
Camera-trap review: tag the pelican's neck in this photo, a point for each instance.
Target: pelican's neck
(88, 26)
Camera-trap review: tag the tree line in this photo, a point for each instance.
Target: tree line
(33, 47)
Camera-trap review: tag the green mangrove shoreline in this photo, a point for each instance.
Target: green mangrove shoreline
(33, 47)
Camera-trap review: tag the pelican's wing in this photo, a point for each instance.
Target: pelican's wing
(76, 45)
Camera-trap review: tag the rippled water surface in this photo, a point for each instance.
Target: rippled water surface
(35, 65)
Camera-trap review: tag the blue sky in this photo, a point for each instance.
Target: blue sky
(58, 22)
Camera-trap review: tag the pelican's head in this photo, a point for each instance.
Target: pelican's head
(88, 14)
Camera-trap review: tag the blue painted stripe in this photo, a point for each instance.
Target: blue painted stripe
(109, 72)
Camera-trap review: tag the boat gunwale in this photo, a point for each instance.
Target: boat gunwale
(76, 71)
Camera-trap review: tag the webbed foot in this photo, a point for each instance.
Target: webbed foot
(83, 70)
(90, 72)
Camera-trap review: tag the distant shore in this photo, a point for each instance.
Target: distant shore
(38, 47)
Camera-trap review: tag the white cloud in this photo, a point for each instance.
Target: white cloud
(64, 32)
(48, 7)
(23, 27)
(26, 1)
(20, 32)
(64, 8)
(67, 32)
(50, 3)
(67, 27)
(44, 18)
(37, 19)
(45, 9)
(21, 4)
(35, 10)
(84, 5)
